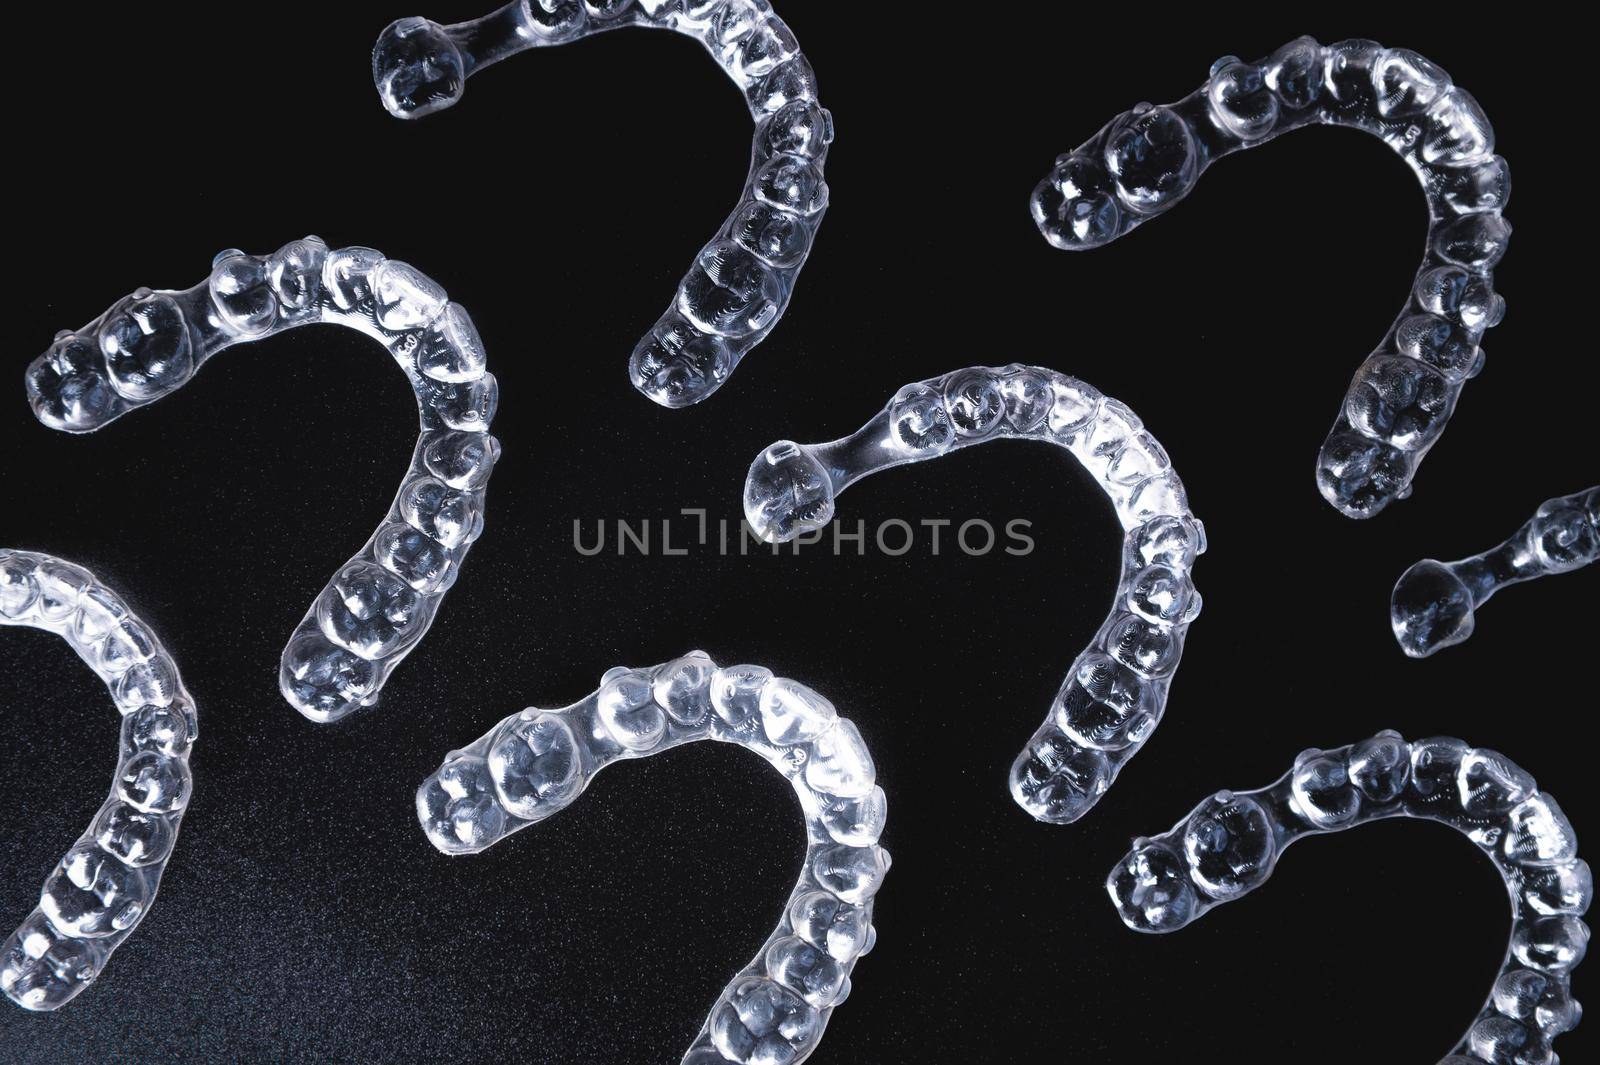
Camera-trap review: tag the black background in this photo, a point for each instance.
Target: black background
(304, 916)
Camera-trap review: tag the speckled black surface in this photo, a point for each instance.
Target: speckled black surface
(304, 917)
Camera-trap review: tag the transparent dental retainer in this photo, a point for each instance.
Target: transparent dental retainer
(1116, 693)
(1145, 160)
(741, 281)
(105, 885)
(1434, 603)
(536, 763)
(379, 604)
(1229, 845)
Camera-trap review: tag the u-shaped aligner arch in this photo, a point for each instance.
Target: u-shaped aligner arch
(1116, 693)
(741, 281)
(382, 601)
(1146, 160)
(1434, 603)
(1230, 843)
(105, 885)
(536, 763)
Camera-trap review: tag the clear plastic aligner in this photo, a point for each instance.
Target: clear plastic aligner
(381, 602)
(1115, 695)
(536, 763)
(741, 281)
(1228, 846)
(105, 885)
(1147, 159)
(1433, 602)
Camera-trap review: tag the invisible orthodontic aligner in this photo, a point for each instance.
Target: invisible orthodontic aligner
(1115, 695)
(381, 602)
(1433, 603)
(1229, 845)
(536, 763)
(103, 888)
(741, 281)
(1145, 160)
